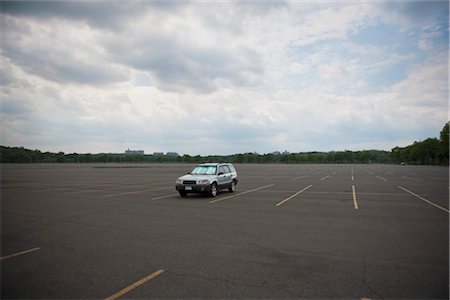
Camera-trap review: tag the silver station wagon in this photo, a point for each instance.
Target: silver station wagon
(208, 178)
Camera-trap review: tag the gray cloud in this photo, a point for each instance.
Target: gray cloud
(177, 64)
(57, 61)
(109, 15)
(171, 56)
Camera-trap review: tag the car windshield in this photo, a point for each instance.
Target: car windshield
(204, 170)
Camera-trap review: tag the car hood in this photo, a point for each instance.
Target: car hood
(195, 177)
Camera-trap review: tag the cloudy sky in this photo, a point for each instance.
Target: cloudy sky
(222, 77)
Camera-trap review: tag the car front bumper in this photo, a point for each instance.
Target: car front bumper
(193, 188)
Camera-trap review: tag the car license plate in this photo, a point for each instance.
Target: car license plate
(188, 188)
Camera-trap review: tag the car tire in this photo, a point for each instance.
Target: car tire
(232, 187)
(183, 194)
(213, 191)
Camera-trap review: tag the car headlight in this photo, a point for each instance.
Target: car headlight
(179, 181)
(203, 181)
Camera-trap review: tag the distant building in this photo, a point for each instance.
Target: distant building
(280, 153)
(134, 152)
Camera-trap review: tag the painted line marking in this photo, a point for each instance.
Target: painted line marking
(83, 191)
(355, 202)
(379, 177)
(20, 253)
(368, 194)
(423, 199)
(166, 196)
(326, 177)
(242, 193)
(353, 178)
(298, 177)
(352, 170)
(135, 285)
(292, 196)
(411, 178)
(136, 192)
(253, 176)
(370, 173)
(439, 178)
(56, 189)
(275, 177)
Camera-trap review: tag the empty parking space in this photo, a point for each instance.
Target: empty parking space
(288, 231)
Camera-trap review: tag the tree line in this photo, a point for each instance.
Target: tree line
(429, 151)
(22, 155)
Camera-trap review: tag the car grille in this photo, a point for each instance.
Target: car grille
(189, 182)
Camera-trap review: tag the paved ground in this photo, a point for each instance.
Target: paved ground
(289, 231)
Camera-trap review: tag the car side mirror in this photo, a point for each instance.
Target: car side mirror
(188, 173)
(220, 173)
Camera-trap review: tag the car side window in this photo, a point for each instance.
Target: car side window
(222, 170)
(227, 170)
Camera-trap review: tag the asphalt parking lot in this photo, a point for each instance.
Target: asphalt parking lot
(289, 231)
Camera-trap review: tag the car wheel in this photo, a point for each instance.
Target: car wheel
(232, 187)
(183, 194)
(213, 191)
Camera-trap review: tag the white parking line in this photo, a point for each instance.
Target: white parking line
(20, 253)
(379, 177)
(292, 196)
(137, 192)
(163, 197)
(423, 199)
(242, 193)
(83, 191)
(326, 177)
(355, 202)
(275, 177)
(412, 178)
(298, 177)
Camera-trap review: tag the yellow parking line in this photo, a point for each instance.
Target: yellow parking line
(20, 253)
(355, 202)
(134, 285)
(292, 196)
(423, 199)
(246, 192)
